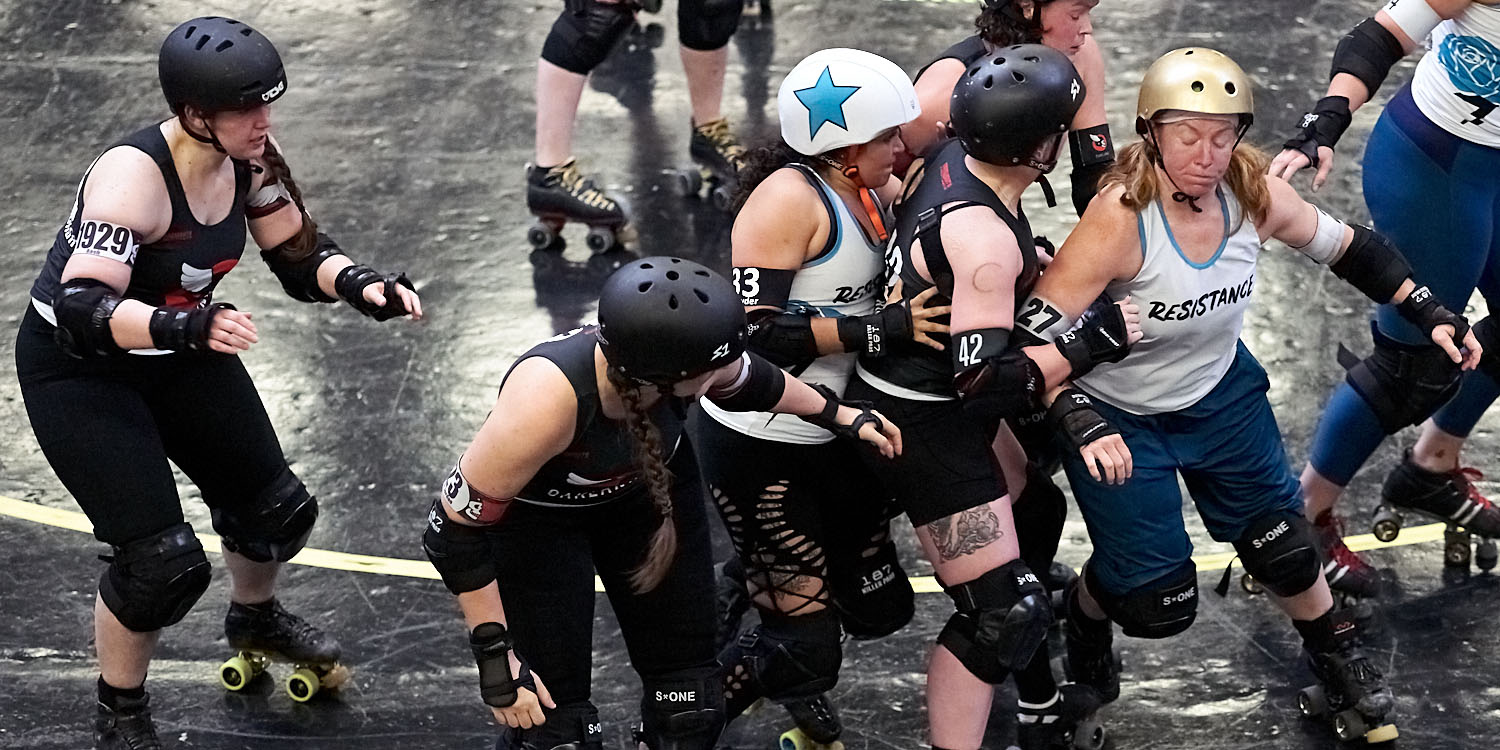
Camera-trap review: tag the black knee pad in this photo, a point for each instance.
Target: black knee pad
(570, 726)
(1487, 331)
(1002, 618)
(275, 526)
(1039, 513)
(789, 656)
(707, 24)
(151, 583)
(1159, 609)
(873, 595)
(1402, 383)
(585, 33)
(683, 711)
(1280, 550)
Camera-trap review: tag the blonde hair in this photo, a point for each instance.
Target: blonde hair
(1134, 171)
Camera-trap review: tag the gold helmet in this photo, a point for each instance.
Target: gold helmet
(1195, 79)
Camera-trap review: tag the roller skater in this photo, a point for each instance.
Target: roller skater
(1065, 723)
(265, 632)
(1202, 417)
(1429, 182)
(557, 195)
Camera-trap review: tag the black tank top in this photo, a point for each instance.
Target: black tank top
(181, 269)
(966, 52)
(943, 180)
(598, 465)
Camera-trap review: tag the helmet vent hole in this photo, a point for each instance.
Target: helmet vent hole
(189, 33)
(974, 72)
(647, 265)
(672, 301)
(1229, 88)
(1189, 52)
(202, 40)
(701, 296)
(226, 44)
(702, 273)
(247, 31)
(1018, 75)
(999, 61)
(1197, 87)
(673, 276)
(989, 82)
(1033, 58)
(645, 287)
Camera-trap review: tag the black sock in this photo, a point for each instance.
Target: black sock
(110, 695)
(1327, 633)
(1034, 682)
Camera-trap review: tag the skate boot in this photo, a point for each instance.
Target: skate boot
(1448, 496)
(719, 157)
(557, 195)
(733, 600)
(1350, 690)
(1067, 723)
(127, 726)
(1091, 658)
(265, 632)
(817, 725)
(1348, 574)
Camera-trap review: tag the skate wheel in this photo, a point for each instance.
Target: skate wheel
(722, 197)
(1312, 701)
(542, 236)
(600, 239)
(1456, 554)
(1487, 556)
(236, 673)
(302, 685)
(1387, 524)
(689, 183)
(1089, 735)
(794, 739)
(1250, 585)
(1349, 725)
(1382, 734)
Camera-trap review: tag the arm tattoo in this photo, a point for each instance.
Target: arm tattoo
(965, 532)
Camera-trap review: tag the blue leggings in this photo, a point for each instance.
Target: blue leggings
(1437, 197)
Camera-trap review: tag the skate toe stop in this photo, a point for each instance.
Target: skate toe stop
(1382, 734)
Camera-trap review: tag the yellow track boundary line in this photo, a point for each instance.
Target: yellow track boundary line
(390, 566)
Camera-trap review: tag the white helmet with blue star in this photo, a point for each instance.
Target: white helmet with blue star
(843, 97)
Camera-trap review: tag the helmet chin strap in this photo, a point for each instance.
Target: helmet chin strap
(211, 139)
(877, 219)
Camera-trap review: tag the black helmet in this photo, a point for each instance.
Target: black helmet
(1013, 106)
(662, 320)
(218, 64)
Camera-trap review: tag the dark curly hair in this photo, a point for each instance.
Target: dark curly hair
(1003, 23)
(761, 161)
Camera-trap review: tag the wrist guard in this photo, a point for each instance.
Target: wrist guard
(828, 417)
(491, 645)
(1323, 126)
(351, 283)
(184, 330)
(1422, 310)
(1102, 338)
(872, 334)
(1073, 413)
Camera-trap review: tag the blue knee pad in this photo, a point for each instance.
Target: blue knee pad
(707, 24)
(585, 33)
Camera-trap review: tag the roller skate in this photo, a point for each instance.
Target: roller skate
(266, 632)
(1091, 658)
(127, 726)
(1447, 496)
(817, 725)
(557, 195)
(718, 156)
(1350, 691)
(1068, 723)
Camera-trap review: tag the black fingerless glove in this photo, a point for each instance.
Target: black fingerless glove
(1422, 310)
(350, 285)
(491, 645)
(1323, 126)
(872, 334)
(827, 417)
(1073, 413)
(184, 330)
(1101, 338)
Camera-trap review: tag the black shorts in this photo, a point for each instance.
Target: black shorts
(946, 464)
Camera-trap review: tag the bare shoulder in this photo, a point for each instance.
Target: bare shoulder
(126, 187)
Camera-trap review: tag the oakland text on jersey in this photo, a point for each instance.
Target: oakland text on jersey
(1204, 304)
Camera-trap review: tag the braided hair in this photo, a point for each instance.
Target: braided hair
(305, 241)
(646, 445)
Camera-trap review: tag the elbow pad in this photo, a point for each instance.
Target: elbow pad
(1368, 52)
(786, 339)
(460, 553)
(1008, 385)
(83, 307)
(1092, 153)
(1372, 265)
(759, 387)
(300, 277)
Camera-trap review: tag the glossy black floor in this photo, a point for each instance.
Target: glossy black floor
(408, 124)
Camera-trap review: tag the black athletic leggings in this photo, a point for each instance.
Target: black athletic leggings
(110, 426)
(546, 558)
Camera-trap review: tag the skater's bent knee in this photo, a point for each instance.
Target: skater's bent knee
(707, 24)
(153, 582)
(585, 33)
(1280, 551)
(1002, 618)
(682, 711)
(274, 525)
(1160, 609)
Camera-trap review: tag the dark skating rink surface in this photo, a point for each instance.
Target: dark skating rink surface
(407, 125)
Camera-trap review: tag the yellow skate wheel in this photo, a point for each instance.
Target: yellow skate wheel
(794, 739)
(236, 673)
(1382, 734)
(302, 685)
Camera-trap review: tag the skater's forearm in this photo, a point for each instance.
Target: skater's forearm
(482, 605)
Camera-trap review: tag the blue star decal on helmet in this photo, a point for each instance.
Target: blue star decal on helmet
(825, 102)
